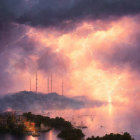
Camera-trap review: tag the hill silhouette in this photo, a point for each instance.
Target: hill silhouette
(29, 101)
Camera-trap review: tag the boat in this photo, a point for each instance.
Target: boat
(35, 134)
(82, 126)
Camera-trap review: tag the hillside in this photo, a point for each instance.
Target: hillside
(29, 101)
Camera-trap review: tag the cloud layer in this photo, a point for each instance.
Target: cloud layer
(93, 33)
(62, 13)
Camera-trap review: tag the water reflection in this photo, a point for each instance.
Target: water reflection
(31, 138)
(51, 135)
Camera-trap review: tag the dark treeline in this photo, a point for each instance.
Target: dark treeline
(57, 123)
(9, 126)
(125, 136)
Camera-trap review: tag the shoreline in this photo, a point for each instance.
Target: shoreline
(30, 124)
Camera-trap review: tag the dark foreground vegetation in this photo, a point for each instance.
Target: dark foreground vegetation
(71, 134)
(67, 131)
(10, 126)
(30, 123)
(57, 123)
(125, 136)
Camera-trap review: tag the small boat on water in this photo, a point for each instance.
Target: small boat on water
(82, 126)
(35, 134)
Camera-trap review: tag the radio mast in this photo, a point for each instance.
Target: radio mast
(48, 85)
(36, 82)
(51, 82)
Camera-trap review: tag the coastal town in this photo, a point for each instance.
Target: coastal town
(17, 123)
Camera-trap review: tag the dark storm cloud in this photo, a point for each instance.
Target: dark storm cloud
(127, 56)
(52, 62)
(61, 13)
(14, 39)
(15, 47)
(5, 78)
(123, 56)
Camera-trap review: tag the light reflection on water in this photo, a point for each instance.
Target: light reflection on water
(51, 135)
(99, 120)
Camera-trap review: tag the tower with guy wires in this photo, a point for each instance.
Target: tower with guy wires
(49, 82)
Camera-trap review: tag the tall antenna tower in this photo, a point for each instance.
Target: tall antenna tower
(51, 82)
(36, 82)
(48, 85)
(62, 87)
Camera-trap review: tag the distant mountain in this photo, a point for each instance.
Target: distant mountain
(32, 101)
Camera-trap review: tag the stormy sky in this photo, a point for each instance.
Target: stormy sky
(93, 45)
